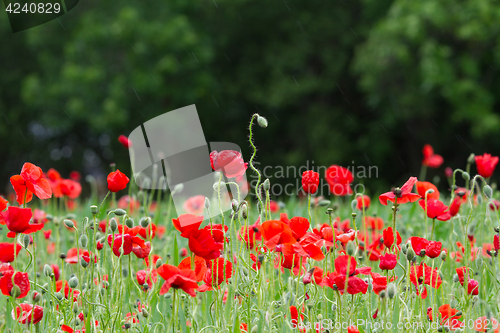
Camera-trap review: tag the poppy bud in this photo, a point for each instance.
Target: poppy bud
(94, 209)
(488, 192)
(145, 313)
(262, 121)
(443, 255)
(391, 290)
(244, 212)
(207, 203)
(471, 158)
(119, 212)
(370, 286)
(113, 225)
(480, 199)
(465, 176)
(159, 262)
(47, 270)
(58, 295)
(266, 185)
(234, 205)
(456, 278)
(354, 204)
(15, 291)
(324, 203)
(410, 254)
(145, 222)
(334, 307)
(68, 223)
(37, 297)
(83, 263)
(404, 248)
(350, 248)
(168, 295)
(26, 241)
(382, 294)
(178, 188)
(84, 240)
(129, 222)
(73, 282)
(125, 272)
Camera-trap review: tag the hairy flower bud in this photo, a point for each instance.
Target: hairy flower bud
(119, 212)
(410, 254)
(73, 282)
(391, 290)
(266, 185)
(113, 225)
(207, 203)
(145, 221)
(129, 222)
(159, 263)
(471, 158)
(47, 270)
(26, 241)
(351, 248)
(68, 223)
(465, 176)
(84, 240)
(262, 121)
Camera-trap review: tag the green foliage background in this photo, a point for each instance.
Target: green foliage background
(369, 81)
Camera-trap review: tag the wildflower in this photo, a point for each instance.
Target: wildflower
(230, 162)
(436, 209)
(310, 181)
(220, 271)
(3, 203)
(30, 182)
(379, 282)
(423, 187)
(7, 251)
(73, 256)
(486, 164)
(430, 159)
(422, 247)
(250, 234)
(27, 313)
(117, 181)
(472, 285)
(186, 224)
(18, 221)
(70, 188)
(125, 141)
(421, 275)
(276, 232)
(388, 261)
(194, 205)
(345, 276)
(455, 206)
(200, 266)
(315, 275)
(146, 276)
(401, 196)
(20, 280)
(203, 244)
(363, 201)
(388, 235)
(176, 278)
(339, 179)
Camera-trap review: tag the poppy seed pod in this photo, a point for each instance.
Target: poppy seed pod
(119, 212)
(94, 209)
(113, 225)
(84, 240)
(69, 223)
(144, 222)
(73, 282)
(354, 215)
(262, 121)
(129, 222)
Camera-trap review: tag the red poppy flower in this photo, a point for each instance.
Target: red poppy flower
(220, 271)
(295, 263)
(388, 235)
(73, 256)
(363, 201)
(431, 249)
(455, 206)
(345, 276)
(202, 244)
(423, 187)
(63, 285)
(496, 242)
(126, 142)
(449, 318)
(250, 234)
(18, 221)
(30, 182)
(299, 226)
(7, 251)
(229, 162)
(273, 206)
(3, 203)
(401, 196)
(486, 164)
(200, 266)
(186, 224)
(149, 232)
(294, 315)
(176, 278)
(70, 188)
(145, 276)
(339, 179)
(194, 205)
(472, 285)
(424, 275)
(26, 314)
(430, 159)
(346, 237)
(436, 209)
(310, 181)
(141, 250)
(117, 181)
(55, 269)
(129, 243)
(217, 233)
(379, 282)
(485, 324)
(276, 232)
(388, 261)
(313, 275)
(352, 329)
(375, 223)
(20, 279)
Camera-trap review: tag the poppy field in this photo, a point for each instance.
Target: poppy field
(413, 258)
